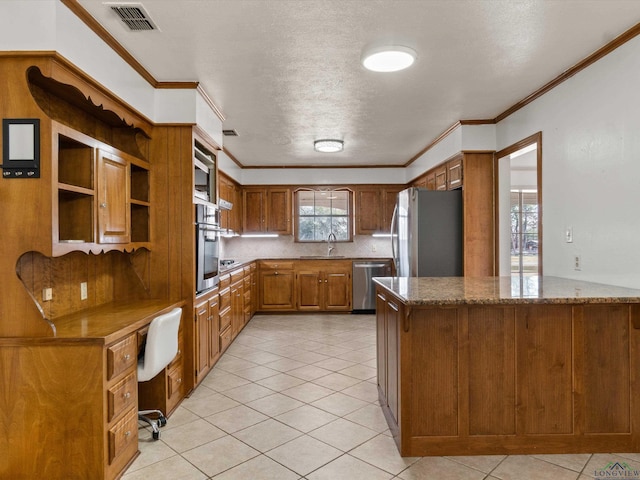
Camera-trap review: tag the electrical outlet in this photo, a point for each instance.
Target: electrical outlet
(83, 291)
(47, 294)
(373, 247)
(577, 263)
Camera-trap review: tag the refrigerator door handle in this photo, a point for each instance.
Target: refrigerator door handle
(394, 236)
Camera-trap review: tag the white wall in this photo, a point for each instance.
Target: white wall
(48, 25)
(590, 168)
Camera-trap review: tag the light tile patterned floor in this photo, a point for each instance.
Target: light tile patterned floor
(294, 397)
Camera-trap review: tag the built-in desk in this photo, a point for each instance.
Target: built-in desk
(70, 409)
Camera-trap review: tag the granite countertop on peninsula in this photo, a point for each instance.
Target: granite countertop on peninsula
(416, 291)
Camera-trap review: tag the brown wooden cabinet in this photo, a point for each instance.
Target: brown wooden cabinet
(507, 378)
(113, 197)
(266, 209)
(237, 301)
(276, 285)
(387, 331)
(231, 192)
(454, 173)
(374, 208)
(440, 173)
(206, 333)
(323, 285)
(102, 195)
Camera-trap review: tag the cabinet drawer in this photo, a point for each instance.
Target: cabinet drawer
(247, 270)
(225, 299)
(237, 275)
(123, 436)
(174, 384)
(225, 318)
(224, 281)
(276, 265)
(225, 339)
(122, 396)
(247, 282)
(121, 356)
(247, 297)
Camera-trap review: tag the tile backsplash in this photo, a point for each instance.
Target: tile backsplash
(284, 247)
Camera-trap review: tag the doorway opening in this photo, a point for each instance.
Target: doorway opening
(519, 208)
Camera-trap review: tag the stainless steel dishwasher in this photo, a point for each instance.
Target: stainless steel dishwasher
(364, 291)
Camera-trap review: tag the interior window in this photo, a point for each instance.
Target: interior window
(320, 213)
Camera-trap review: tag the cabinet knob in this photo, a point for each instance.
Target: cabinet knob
(320, 281)
(179, 380)
(103, 205)
(126, 357)
(127, 433)
(126, 396)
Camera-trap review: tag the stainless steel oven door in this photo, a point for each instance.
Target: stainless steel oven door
(207, 257)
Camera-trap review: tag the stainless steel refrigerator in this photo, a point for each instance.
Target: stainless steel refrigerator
(426, 233)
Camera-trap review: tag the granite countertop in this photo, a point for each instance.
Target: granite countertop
(503, 290)
(240, 262)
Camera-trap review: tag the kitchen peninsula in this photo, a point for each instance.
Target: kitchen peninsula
(508, 365)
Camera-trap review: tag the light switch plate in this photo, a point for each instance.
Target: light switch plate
(83, 291)
(568, 235)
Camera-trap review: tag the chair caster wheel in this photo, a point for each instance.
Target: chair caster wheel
(162, 421)
(156, 435)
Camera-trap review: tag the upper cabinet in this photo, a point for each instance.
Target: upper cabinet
(102, 195)
(231, 192)
(266, 210)
(446, 176)
(113, 197)
(374, 208)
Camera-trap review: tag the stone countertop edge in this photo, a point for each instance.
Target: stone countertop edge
(416, 291)
(238, 263)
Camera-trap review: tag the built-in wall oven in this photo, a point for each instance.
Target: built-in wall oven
(207, 247)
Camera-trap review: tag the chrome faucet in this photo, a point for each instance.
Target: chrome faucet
(331, 243)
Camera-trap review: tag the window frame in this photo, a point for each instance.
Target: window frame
(349, 216)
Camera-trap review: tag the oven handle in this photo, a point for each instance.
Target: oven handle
(209, 226)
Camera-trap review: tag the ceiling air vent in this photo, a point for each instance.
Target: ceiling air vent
(134, 16)
(229, 133)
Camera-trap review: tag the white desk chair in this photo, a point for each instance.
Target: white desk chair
(160, 349)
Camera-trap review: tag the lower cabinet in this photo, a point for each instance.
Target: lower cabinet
(323, 285)
(305, 285)
(219, 315)
(237, 301)
(387, 331)
(207, 333)
(277, 283)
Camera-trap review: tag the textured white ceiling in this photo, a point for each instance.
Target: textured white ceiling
(287, 72)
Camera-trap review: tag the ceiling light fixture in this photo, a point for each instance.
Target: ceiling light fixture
(328, 146)
(389, 59)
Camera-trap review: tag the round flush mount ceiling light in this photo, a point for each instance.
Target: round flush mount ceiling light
(389, 58)
(328, 146)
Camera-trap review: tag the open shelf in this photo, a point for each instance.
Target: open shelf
(75, 217)
(75, 163)
(139, 223)
(139, 183)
